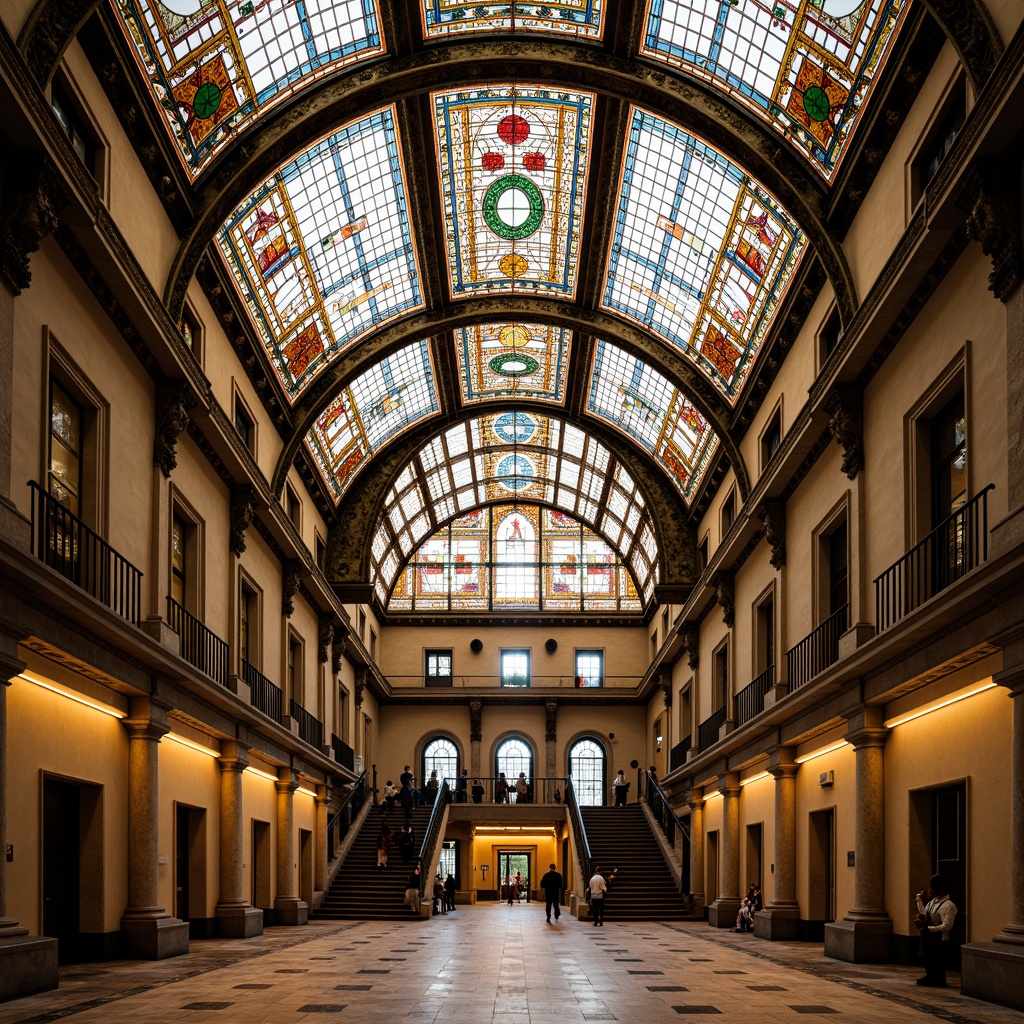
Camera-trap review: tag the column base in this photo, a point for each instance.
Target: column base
(775, 923)
(722, 913)
(28, 964)
(291, 911)
(993, 971)
(239, 922)
(154, 938)
(858, 942)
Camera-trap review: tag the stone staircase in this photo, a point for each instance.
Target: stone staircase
(620, 837)
(361, 891)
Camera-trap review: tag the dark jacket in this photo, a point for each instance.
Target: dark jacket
(551, 883)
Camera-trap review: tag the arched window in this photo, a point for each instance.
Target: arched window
(587, 770)
(442, 756)
(514, 756)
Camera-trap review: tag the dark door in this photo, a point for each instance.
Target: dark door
(61, 859)
(181, 859)
(949, 847)
(821, 867)
(511, 863)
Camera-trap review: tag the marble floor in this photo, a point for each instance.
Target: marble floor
(495, 963)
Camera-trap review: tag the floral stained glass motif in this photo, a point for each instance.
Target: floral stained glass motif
(399, 391)
(500, 360)
(512, 162)
(322, 252)
(214, 66)
(806, 67)
(701, 253)
(643, 404)
(566, 17)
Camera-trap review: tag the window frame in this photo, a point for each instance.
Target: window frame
(514, 652)
(588, 652)
(77, 115)
(242, 411)
(194, 592)
(254, 628)
(770, 439)
(434, 678)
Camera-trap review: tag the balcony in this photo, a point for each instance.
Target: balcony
(263, 694)
(343, 753)
(817, 650)
(956, 546)
(677, 756)
(310, 729)
(198, 645)
(750, 700)
(708, 730)
(64, 543)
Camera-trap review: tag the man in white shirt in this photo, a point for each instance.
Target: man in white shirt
(935, 919)
(598, 887)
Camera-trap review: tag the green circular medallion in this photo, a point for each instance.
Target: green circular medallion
(513, 207)
(206, 101)
(513, 364)
(816, 103)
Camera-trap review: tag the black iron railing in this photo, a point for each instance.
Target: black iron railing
(750, 700)
(579, 833)
(817, 650)
(677, 755)
(670, 822)
(343, 753)
(956, 546)
(63, 542)
(707, 731)
(263, 694)
(311, 729)
(432, 835)
(198, 645)
(343, 818)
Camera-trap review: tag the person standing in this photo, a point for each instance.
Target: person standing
(412, 890)
(620, 789)
(449, 891)
(935, 919)
(439, 899)
(383, 845)
(406, 839)
(478, 791)
(551, 883)
(598, 889)
(522, 789)
(462, 786)
(501, 789)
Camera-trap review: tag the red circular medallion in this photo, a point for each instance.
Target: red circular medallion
(513, 129)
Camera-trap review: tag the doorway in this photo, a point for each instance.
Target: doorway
(711, 870)
(62, 856)
(821, 890)
(190, 868)
(261, 868)
(512, 863)
(306, 866)
(755, 839)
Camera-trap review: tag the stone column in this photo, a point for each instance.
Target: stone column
(547, 793)
(13, 525)
(722, 913)
(28, 963)
(995, 970)
(475, 733)
(323, 800)
(236, 919)
(780, 919)
(288, 908)
(150, 932)
(696, 804)
(864, 935)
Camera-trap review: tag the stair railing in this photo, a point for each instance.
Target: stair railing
(579, 832)
(433, 831)
(670, 823)
(341, 821)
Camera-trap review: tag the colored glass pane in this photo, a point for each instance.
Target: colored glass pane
(323, 252)
(503, 360)
(566, 17)
(701, 253)
(513, 162)
(805, 67)
(214, 66)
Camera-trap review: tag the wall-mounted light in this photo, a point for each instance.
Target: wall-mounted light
(804, 758)
(192, 744)
(943, 702)
(46, 684)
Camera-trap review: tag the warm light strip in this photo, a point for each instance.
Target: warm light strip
(712, 796)
(818, 753)
(190, 743)
(754, 778)
(77, 698)
(953, 698)
(306, 792)
(262, 774)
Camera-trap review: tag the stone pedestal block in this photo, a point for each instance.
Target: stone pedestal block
(993, 971)
(238, 686)
(1007, 534)
(162, 633)
(154, 938)
(291, 911)
(722, 913)
(239, 922)
(777, 923)
(28, 964)
(859, 633)
(858, 942)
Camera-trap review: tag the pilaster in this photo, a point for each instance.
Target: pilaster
(323, 800)
(722, 913)
(236, 919)
(696, 805)
(780, 919)
(288, 908)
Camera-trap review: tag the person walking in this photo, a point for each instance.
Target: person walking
(406, 840)
(935, 919)
(412, 890)
(383, 845)
(620, 789)
(449, 891)
(551, 883)
(598, 889)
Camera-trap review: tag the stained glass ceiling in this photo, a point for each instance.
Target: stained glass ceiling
(573, 17)
(701, 253)
(805, 67)
(495, 458)
(512, 360)
(214, 66)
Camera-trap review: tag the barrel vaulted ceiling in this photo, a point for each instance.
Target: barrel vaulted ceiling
(440, 217)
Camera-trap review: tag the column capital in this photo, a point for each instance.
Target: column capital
(1012, 679)
(695, 798)
(323, 794)
(729, 784)
(232, 756)
(782, 762)
(287, 780)
(145, 729)
(10, 664)
(866, 727)
(147, 718)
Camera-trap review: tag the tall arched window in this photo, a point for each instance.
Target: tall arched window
(587, 770)
(514, 756)
(442, 756)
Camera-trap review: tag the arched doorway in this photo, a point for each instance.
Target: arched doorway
(587, 768)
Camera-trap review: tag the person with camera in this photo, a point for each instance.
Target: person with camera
(935, 920)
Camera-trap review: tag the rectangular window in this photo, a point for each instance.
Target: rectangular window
(248, 625)
(73, 125)
(838, 569)
(65, 456)
(293, 507)
(515, 668)
(728, 513)
(765, 639)
(179, 560)
(319, 551)
(590, 668)
(771, 439)
(438, 668)
(702, 554)
(949, 459)
(244, 425)
(829, 336)
(721, 676)
(295, 669)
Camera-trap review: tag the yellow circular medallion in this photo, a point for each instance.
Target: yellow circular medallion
(513, 265)
(514, 336)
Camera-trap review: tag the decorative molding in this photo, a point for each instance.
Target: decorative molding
(360, 684)
(845, 407)
(244, 502)
(291, 579)
(33, 196)
(773, 519)
(723, 583)
(325, 639)
(551, 719)
(665, 683)
(174, 400)
(475, 720)
(990, 197)
(690, 634)
(339, 642)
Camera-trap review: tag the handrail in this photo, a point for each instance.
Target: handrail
(750, 700)
(817, 651)
(264, 695)
(62, 541)
(311, 729)
(707, 731)
(433, 830)
(579, 831)
(198, 644)
(662, 810)
(343, 753)
(956, 546)
(353, 803)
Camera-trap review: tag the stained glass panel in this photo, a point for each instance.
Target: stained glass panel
(502, 360)
(214, 66)
(572, 17)
(806, 67)
(513, 162)
(395, 393)
(323, 251)
(701, 253)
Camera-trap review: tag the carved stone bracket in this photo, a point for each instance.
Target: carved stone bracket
(665, 682)
(361, 673)
(724, 596)
(475, 720)
(991, 200)
(174, 399)
(244, 503)
(33, 196)
(551, 719)
(339, 642)
(773, 519)
(845, 407)
(691, 644)
(291, 578)
(325, 639)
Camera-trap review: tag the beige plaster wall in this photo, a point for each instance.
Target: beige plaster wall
(259, 803)
(757, 807)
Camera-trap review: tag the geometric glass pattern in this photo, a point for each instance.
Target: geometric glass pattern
(322, 251)
(519, 557)
(502, 360)
(393, 394)
(805, 67)
(512, 162)
(215, 66)
(496, 458)
(572, 17)
(638, 400)
(700, 253)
